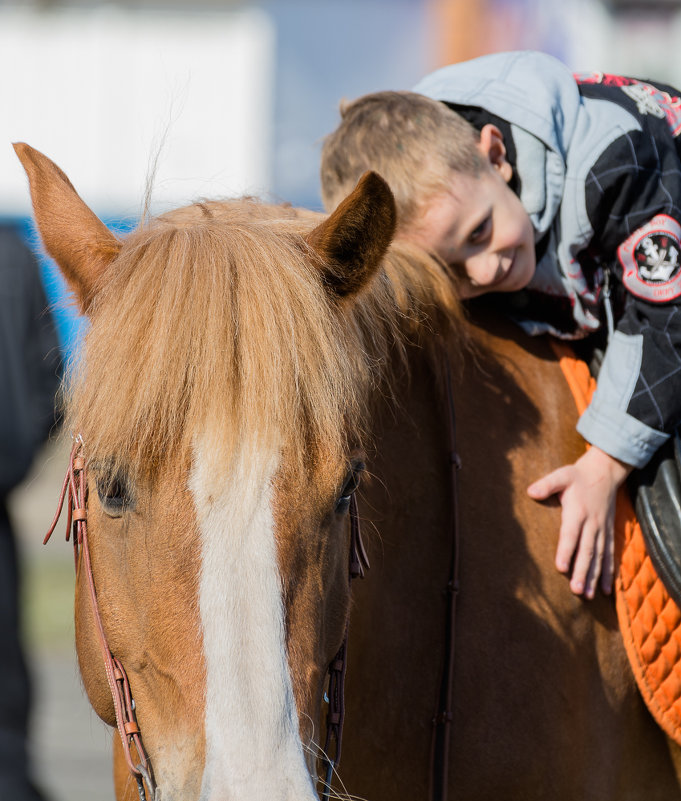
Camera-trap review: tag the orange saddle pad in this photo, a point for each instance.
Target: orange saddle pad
(649, 620)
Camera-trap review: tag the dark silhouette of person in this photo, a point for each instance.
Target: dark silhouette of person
(30, 366)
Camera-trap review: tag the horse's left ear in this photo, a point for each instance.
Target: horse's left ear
(73, 235)
(353, 240)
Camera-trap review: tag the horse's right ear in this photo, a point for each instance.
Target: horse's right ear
(72, 234)
(353, 240)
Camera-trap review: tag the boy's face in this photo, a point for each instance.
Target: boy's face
(480, 225)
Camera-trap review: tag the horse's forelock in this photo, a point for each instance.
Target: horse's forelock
(214, 318)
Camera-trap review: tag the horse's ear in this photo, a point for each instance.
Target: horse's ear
(353, 240)
(73, 235)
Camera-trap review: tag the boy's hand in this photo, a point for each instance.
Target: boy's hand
(587, 491)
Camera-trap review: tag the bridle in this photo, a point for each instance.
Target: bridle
(75, 486)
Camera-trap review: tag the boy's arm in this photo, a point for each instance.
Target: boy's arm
(638, 400)
(636, 405)
(631, 199)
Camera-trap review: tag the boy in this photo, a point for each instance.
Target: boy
(564, 191)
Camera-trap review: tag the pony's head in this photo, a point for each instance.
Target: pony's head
(221, 395)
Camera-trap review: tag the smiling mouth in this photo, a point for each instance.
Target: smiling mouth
(502, 274)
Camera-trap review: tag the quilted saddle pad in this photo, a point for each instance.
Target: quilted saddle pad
(649, 620)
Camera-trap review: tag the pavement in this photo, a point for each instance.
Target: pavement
(70, 746)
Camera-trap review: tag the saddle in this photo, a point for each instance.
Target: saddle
(648, 555)
(657, 490)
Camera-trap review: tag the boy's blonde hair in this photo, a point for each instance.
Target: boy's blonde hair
(415, 143)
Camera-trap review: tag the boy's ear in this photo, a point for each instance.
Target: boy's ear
(493, 149)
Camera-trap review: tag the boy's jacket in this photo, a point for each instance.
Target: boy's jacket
(597, 168)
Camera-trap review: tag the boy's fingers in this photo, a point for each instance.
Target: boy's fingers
(595, 568)
(608, 572)
(550, 484)
(568, 539)
(588, 559)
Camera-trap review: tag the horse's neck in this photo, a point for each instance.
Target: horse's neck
(515, 421)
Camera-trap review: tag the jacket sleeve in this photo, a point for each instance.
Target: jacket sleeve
(636, 405)
(634, 211)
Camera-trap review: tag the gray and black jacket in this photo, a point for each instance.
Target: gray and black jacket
(597, 167)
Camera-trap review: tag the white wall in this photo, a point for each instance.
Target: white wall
(640, 41)
(102, 91)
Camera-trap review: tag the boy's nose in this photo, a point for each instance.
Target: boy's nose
(489, 268)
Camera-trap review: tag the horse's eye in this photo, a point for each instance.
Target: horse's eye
(350, 486)
(114, 494)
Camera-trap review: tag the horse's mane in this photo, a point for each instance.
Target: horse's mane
(215, 314)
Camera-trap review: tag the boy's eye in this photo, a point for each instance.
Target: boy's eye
(480, 232)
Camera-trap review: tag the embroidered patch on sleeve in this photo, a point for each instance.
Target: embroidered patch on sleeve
(651, 260)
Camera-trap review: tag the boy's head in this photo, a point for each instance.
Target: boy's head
(450, 184)
(415, 143)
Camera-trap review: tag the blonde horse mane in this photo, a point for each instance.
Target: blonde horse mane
(214, 317)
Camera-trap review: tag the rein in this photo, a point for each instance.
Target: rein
(442, 720)
(75, 485)
(338, 667)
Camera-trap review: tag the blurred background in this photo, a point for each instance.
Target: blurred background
(217, 98)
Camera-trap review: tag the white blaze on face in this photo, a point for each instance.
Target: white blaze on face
(253, 747)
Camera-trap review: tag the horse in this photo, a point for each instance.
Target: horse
(245, 366)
